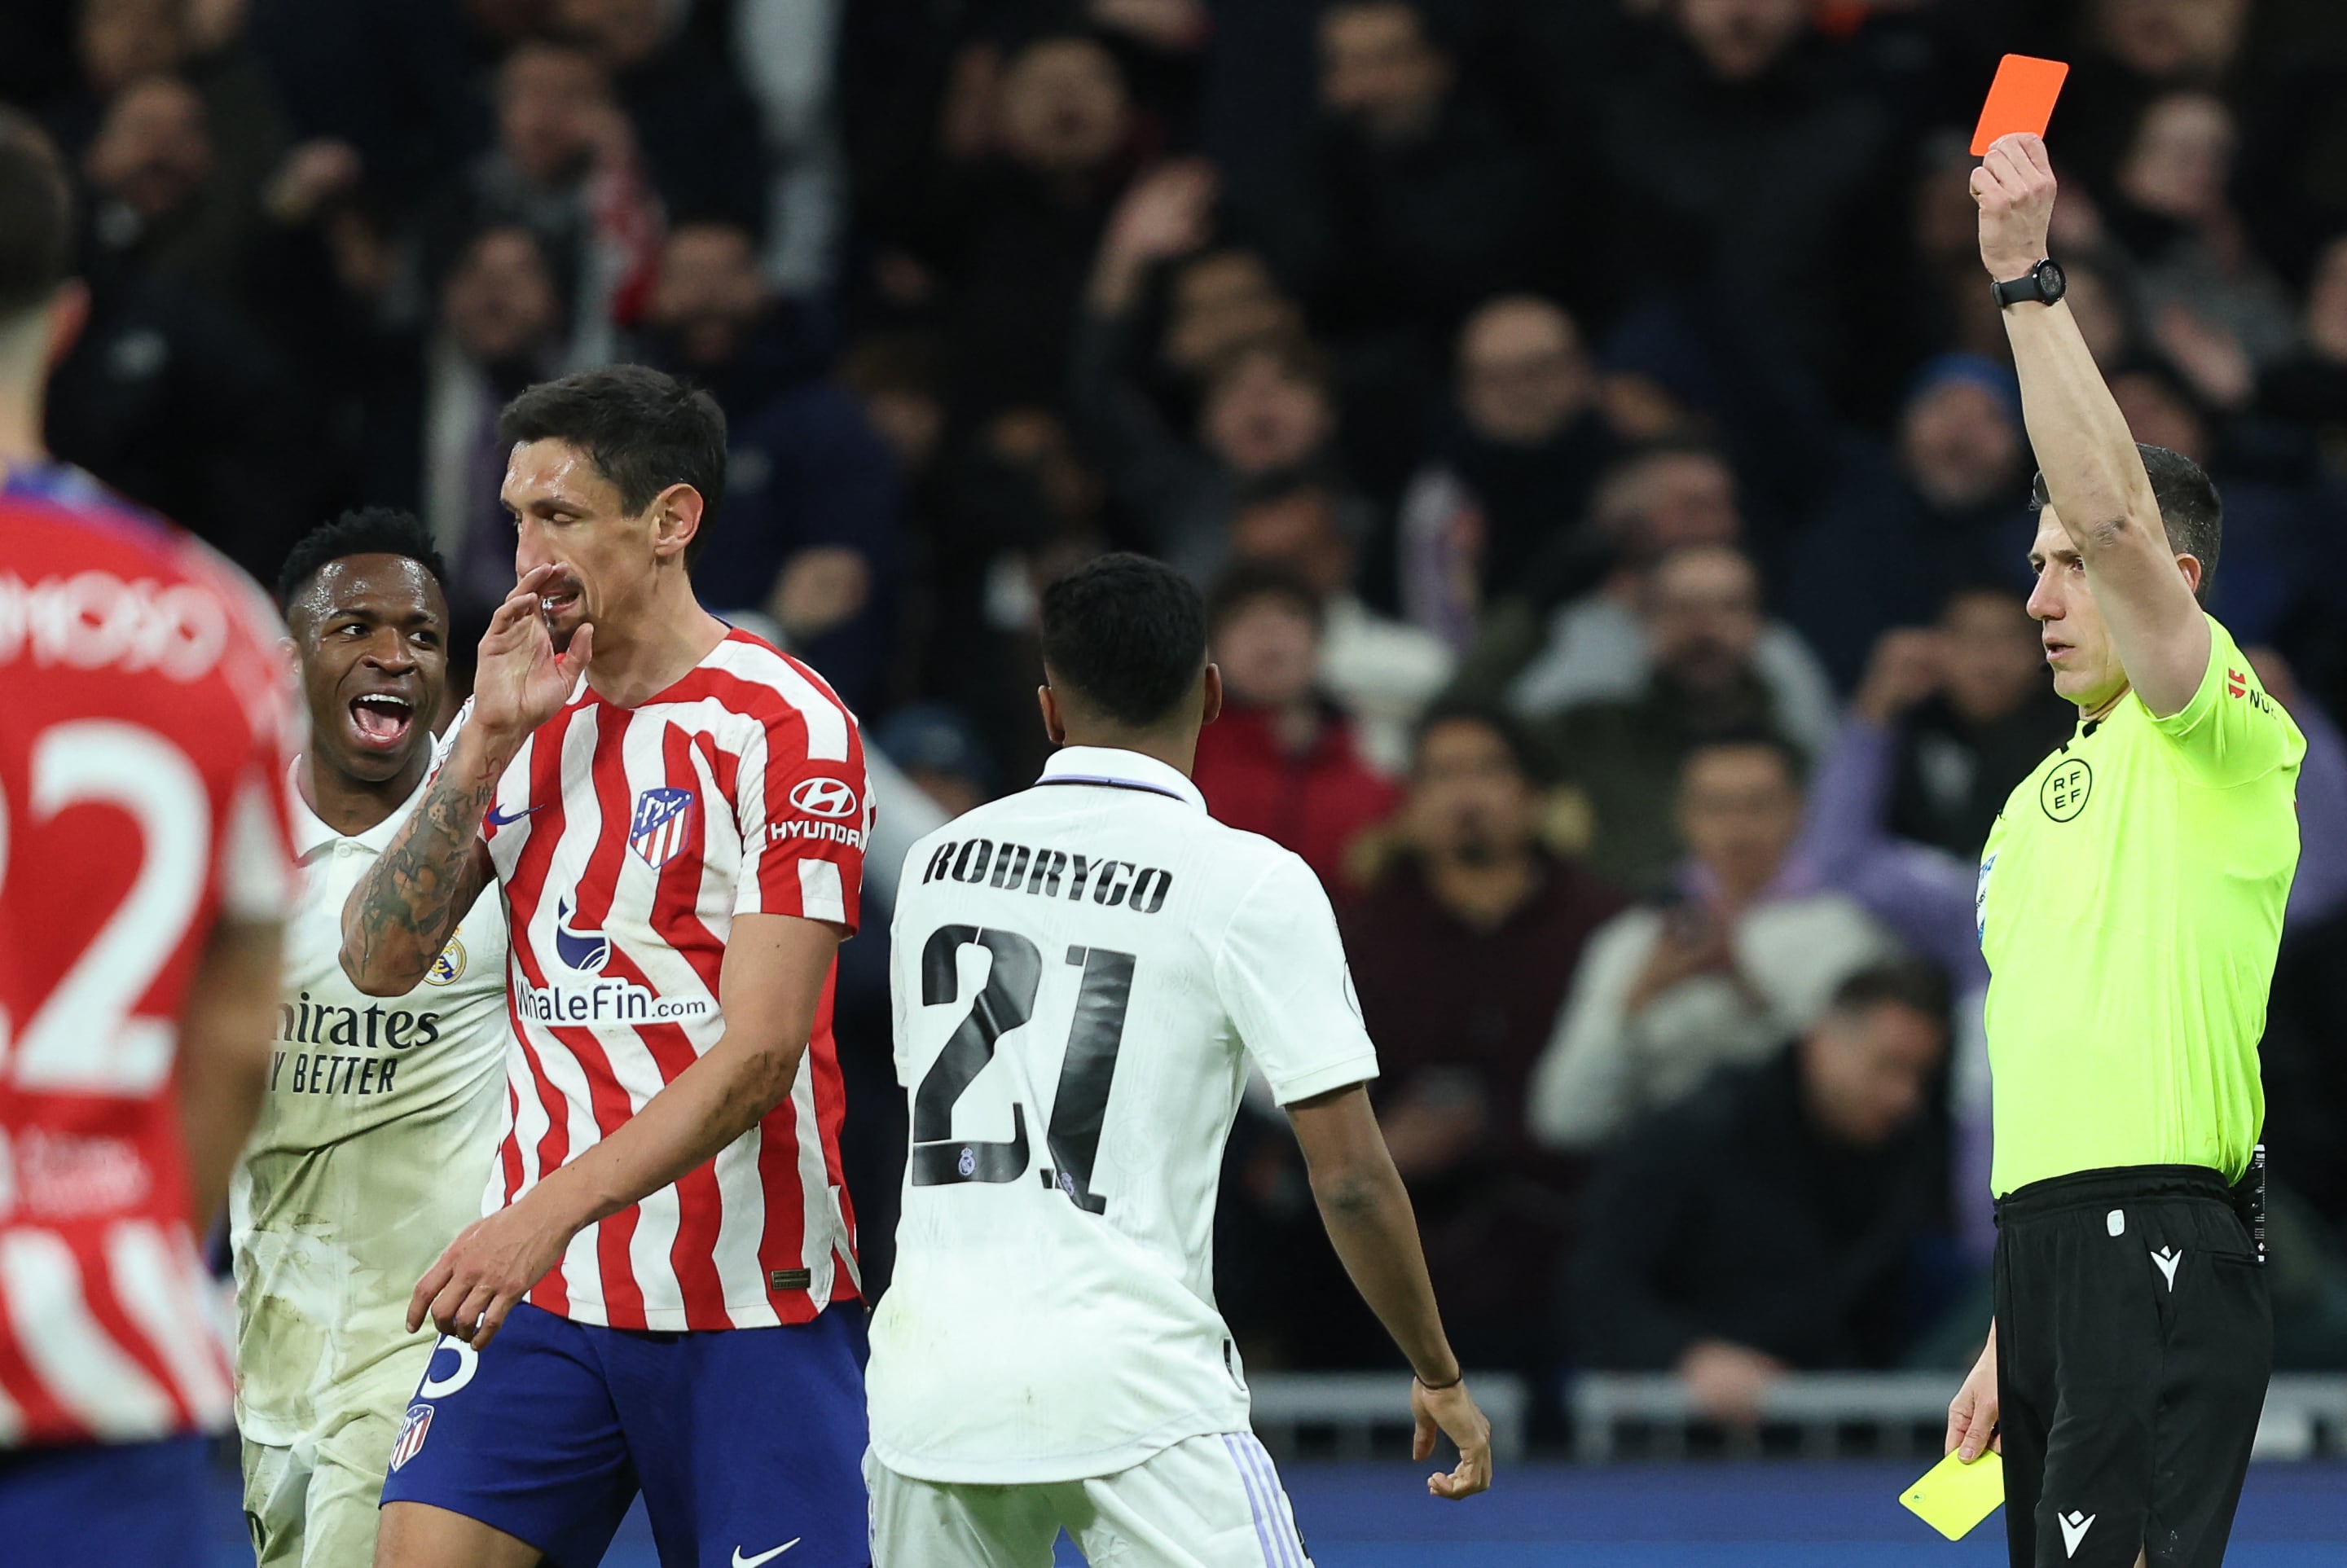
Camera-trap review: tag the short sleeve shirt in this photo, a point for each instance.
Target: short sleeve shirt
(1082, 975)
(2129, 905)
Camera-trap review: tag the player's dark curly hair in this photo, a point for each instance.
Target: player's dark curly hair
(643, 429)
(2189, 507)
(369, 531)
(1126, 636)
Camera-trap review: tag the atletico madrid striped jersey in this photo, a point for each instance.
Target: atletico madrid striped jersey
(627, 839)
(144, 730)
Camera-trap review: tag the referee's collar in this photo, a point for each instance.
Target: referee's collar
(1111, 767)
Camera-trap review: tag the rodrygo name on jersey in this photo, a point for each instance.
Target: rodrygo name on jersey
(1080, 975)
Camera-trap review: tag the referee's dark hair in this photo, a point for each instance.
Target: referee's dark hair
(644, 431)
(2189, 507)
(1908, 982)
(1125, 636)
(368, 531)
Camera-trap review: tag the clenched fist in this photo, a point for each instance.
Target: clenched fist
(2014, 187)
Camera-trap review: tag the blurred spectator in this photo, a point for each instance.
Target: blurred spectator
(1950, 506)
(2215, 308)
(2135, 50)
(1380, 671)
(1668, 497)
(1698, 140)
(209, 161)
(159, 205)
(1000, 242)
(499, 329)
(1964, 712)
(714, 321)
(1702, 629)
(789, 52)
(1744, 953)
(1421, 205)
(692, 117)
(566, 166)
(1770, 1221)
(1461, 950)
(1232, 367)
(1216, 297)
(810, 536)
(941, 754)
(1281, 761)
(1018, 509)
(1513, 461)
(2310, 387)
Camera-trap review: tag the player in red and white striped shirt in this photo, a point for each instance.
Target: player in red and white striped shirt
(676, 814)
(145, 868)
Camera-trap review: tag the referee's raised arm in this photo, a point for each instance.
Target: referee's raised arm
(2095, 480)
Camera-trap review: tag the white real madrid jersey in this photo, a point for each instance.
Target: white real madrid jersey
(375, 1138)
(1081, 974)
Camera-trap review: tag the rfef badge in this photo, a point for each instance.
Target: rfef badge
(2064, 794)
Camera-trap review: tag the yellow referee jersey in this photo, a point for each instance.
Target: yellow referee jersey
(2129, 907)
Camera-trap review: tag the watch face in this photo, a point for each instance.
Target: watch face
(2051, 283)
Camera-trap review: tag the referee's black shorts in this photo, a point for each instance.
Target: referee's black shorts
(2133, 1339)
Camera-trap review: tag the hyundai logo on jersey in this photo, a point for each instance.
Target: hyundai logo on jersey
(663, 819)
(826, 797)
(587, 950)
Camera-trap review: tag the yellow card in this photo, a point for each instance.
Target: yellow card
(1953, 1496)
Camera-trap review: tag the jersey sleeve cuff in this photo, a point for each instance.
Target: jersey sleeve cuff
(2187, 719)
(1352, 1071)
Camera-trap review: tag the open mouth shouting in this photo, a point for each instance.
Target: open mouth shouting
(381, 721)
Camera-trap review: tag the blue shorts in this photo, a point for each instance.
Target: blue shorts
(108, 1503)
(743, 1441)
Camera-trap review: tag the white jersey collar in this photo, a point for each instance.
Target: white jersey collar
(311, 834)
(1113, 768)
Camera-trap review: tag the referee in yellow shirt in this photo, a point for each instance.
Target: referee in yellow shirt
(2130, 905)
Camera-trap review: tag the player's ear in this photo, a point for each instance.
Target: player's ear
(2190, 567)
(1054, 727)
(676, 519)
(1211, 707)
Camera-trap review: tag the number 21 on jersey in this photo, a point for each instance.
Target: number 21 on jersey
(1001, 1009)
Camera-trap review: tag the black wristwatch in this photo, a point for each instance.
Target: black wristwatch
(2044, 284)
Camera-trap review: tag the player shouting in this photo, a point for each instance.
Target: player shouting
(676, 814)
(1082, 973)
(380, 1118)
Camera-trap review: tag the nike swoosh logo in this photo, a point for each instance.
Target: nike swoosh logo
(742, 1561)
(499, 818)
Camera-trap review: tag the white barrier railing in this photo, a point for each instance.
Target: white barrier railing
(1356, 1408)
(1829, 1413)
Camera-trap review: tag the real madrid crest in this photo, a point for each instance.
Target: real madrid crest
(448, 966)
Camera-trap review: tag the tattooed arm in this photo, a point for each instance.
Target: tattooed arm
(404, 910)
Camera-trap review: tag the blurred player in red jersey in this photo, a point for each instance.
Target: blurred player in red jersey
(144, 873)
(663, 1295)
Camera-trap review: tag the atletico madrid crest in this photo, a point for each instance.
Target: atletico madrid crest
(412, 1431)
(663, 817)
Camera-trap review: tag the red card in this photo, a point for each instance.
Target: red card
(2021, 98)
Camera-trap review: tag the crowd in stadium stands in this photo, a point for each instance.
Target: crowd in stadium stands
(1588, 421)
